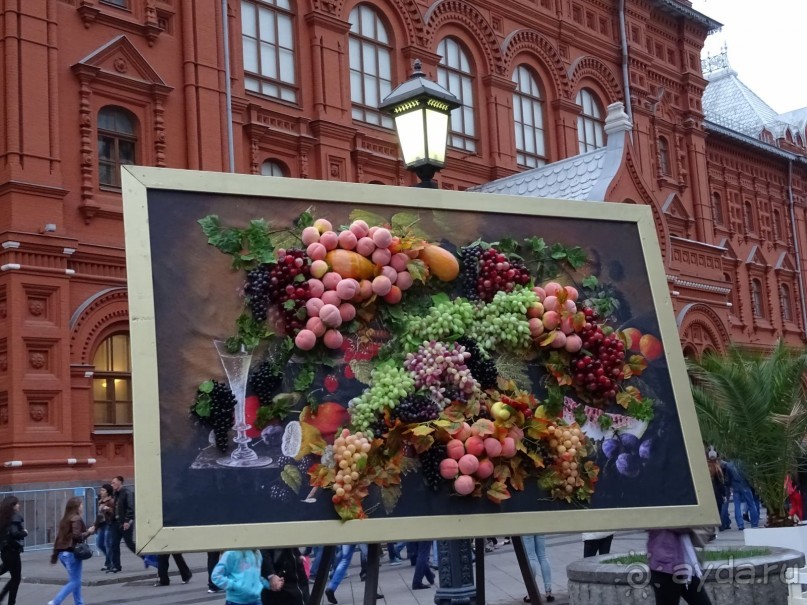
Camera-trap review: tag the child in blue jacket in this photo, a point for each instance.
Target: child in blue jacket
(239, 573)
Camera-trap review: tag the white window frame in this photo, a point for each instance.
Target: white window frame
(590, 124)
(454, 74)
(268, 46)
(370, 55)
(528, 116)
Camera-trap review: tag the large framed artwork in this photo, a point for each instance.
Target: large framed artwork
(324, 363)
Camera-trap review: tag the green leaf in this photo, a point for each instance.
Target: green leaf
(225, 239)
(206, 386)
(202, 405)
(407, 225)
(259, 242)
(605, 422)
(590, 281)
(417, 269)
(306, 219)
(441, 297)
(390, 494)
(558, 252)
(291, 477)
(508, 245)
(289, 304)
(305, 378)
(576, 257)
(537, 245)
(362, 370)
(554, 401)
(285, 239)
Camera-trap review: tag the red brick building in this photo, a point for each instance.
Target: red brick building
(89, 85)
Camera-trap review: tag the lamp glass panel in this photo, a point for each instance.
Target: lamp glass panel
(436, 132)
(410, 133)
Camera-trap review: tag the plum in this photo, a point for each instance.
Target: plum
(629, 442)
(646, 449)
(628, 465)
(610, 447)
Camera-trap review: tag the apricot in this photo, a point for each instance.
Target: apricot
(493, 447)
(381, 256)
(540, 293)
(393, 297)
(331, 280)
(651, 347)
(468, 464)
(455, 449)
(399, 261)
(305, 340)
(552, 288)
(573, 343)
(347, 311)
(474, 445)
(509, 447)
(312, 306)
(347, 288)
(551, 320)
(315, 287)
(322, 225)
(571, 293)
(309, 235)
(330, 297)
(389, 273)
(536, 310)
(559, 341)
(382, 237)
(464, 485)
(464, 432)
(365, 289)
(330, 316)
(404, 280)
(329, 239)
(485, 469)
(551, 303)
(359, 228)
(536, 327)
(316, 326)
(333, 339)
(449, 468)
(382, 285)
(347, 240)
(633, 338)
(365, 246)
(319, 268)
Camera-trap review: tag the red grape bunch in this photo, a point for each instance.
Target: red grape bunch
(497, 273)
(288, 289)
(598, 368)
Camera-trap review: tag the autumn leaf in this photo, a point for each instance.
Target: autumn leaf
(501, 472)
(635, 366)
(518, 474)
(536, 458)
(389, 497)
(291, 477)
(349, 510)
(422, 430)
(362, 370)
(423, 443)
(497, 492)
(418, 270)
(321, 475)
(483, 427)
(453, 413)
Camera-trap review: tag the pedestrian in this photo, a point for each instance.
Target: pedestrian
(675, 573)
(72, 531)
(736, 480)
(394, 550)
(213, 557)
(794, 498)
(12, 534)
(122, 525)
(597, 543)
(345, 552)
(286, 564)
(238, 573)
(535, 546)
(422, 569)
(719, 487)
(105, 506)
(163, 562)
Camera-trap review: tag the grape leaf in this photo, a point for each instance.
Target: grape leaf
(206, 386)
(362, 370)
(537, 245)
(576, 257)
(508, 245)
(590, 281)
(258, 242)
(389, 497)
(306, 219)
(227, 240)
(371, 218)
(513, 368)
(305, 378)
(518, 474)
(497, 492)
(418, 270)
(291, 477)
(635, 366)
(422, 430)
(536, 458)
(422, 443)
(558, 251)
(483, 427)
(406, 224)
(285, 239)
(202, 405)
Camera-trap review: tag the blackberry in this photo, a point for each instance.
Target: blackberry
(482, 367)
(265, 381)
(430, 465)
(257, 292)
(281, 492)
(417, 408)
(284, 461)
(305, 463)
(469, 261)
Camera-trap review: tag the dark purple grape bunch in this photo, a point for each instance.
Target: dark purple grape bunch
(416, 408)
(430, 465)
(257, 292)
(628, 453)
(469, 263)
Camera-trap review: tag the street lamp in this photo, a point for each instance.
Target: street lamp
(421, 109)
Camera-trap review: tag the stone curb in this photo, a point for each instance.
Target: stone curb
(108, 579)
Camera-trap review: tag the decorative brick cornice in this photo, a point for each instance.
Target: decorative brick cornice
(91, 13)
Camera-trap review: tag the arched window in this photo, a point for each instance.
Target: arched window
(267, 33)
(112, 382)
(785, 302)
(717, 209)
(454, 74)
(757, 304)
(118, 3)
(777, 225)
(664, 156)
(748, 216)
(272, 168)
(370, 65)
(590, 132)
(528, 111)
(117, 144)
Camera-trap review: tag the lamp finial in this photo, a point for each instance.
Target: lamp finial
(417, 71)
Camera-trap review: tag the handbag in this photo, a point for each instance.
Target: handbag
(82, 551)
(701, 536)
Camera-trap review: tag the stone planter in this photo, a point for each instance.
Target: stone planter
(746, 581)
(782, 537)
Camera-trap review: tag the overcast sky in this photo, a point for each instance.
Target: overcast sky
(766, 46)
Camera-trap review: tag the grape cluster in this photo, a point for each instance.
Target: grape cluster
(497, 273)
(629, 453)
(430, 465)
(469, 266)
(417, 408)
(503, 322)
(389, 384)
(482, 367)
(350, 455)
(436, 366)
(264, 381)
(220, 417)
(598, 368)
(288, 289)
(444, 319)
(280, 491)
(567, 445)
(257, 292)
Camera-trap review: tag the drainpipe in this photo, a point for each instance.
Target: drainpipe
(623, 38)
(228, 93)
(795, 233)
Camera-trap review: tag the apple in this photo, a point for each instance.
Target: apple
(632, 338)
(651, 347)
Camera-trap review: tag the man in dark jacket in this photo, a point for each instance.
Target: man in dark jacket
(122, 524)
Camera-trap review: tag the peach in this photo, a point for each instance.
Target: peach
(316, 251)
(315, 287)
(365, 289)
(381, 256)
(551, 320)
(571, 293)
(567, 325)
(404, 280)
(540, 293)
(651, 347)
(570, 306)
(382, 285)
(322, 225)
(559, 341)
(347, 240)
(333, 339)
(359, 228)
(389, 273)
(347, 288)
(393, 297)
(399, 261)
(331, 280)
(485, 469)
(464, 432)
(535, 310)
(305, 340)
(474, 445)
(449, 468)
(493, 447)
(382, 237)
(633, 338)
(455, 449)
(365, 246)
(316, 326)
(509, 447)
(309, 236)
(329, 239)
(552, 288)
(330, 316)
(330, 297)
(319, 268)
(573, 343)
(312, 306)
(464, 485)
(536, 327)
(347, 311)
(468, 464)
(551, 303)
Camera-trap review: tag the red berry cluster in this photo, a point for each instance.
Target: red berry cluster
(597, 369)
(497, 274)
(288, 290)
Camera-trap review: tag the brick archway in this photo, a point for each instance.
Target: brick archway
(701, 329)
(100, 314)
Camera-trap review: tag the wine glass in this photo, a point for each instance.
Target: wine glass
(236, 366)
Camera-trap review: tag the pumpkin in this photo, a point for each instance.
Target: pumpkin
(441, 263)
(350, 264)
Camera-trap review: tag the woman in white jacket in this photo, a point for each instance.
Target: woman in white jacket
(597, 543)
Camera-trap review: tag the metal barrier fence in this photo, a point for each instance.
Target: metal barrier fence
(42, 510)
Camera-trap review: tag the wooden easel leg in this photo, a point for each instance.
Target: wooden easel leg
(371, 578)
(526, 570)
(321, 580)
(479, 553)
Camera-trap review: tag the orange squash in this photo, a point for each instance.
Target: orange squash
(350, 264)
(441, 263)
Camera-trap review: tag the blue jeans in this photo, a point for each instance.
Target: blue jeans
(232, 603)
(345, 556)
(102, 541)
(73, 586)
(744, 495)
(422, 564)
(536, 551)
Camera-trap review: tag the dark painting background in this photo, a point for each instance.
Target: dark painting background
(197, 298)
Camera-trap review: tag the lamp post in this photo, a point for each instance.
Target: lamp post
(420, 109)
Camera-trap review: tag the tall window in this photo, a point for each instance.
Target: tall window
(112, 382)
(267, 31)
(777, 225)
(272, 168)
(664, 156)
(118, 3)
(117, 142)
(748, 216)
(590, 127)
(370, 65)
(454, 74)
(757, 305)
(717, 209)
(528, 112)
(784, 300)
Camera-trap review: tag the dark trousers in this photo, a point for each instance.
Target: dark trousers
(422, 564)
(212, 559)
(116, 534)
(592, 548)
(670, 590)
(11, 563)
(163, 562)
